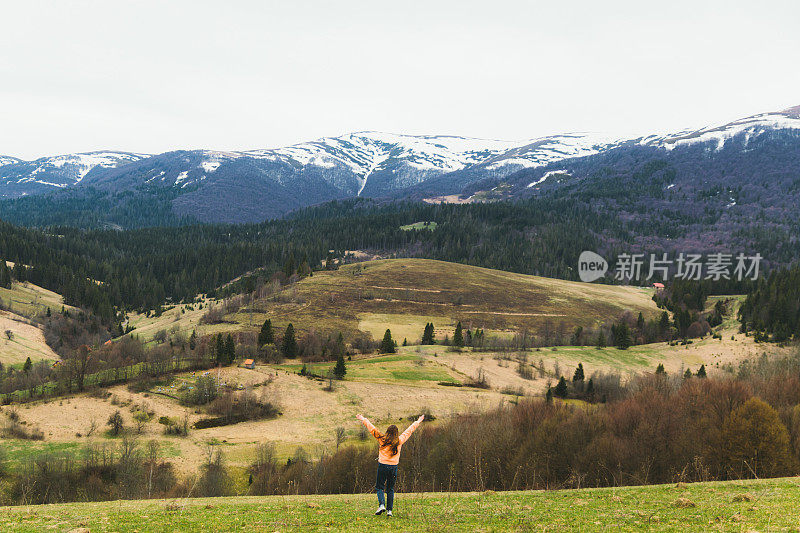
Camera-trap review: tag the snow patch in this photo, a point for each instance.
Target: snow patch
(547, 175)
(210, 166)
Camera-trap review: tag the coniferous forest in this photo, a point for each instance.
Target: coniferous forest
(106, 270)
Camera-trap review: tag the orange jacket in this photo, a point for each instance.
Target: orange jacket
(385, 452)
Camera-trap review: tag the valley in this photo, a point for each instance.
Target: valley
(366, 299)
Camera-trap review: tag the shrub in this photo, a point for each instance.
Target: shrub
(115, 423)
(479, 381)
(234, 407)
(14, 429)
(755, 441)
(204, 390)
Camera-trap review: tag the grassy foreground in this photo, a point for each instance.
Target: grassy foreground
(730, 506)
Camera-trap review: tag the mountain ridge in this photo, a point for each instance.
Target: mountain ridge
(252, 185)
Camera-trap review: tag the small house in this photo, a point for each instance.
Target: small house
(249, 363)
(658, 287)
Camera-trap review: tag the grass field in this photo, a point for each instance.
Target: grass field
(419, 225)
(29, 300)
(761, 505)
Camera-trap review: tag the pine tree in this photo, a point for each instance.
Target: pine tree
(427, 334)
(468, 342)
(687, 374)
(601, 339)
(340, 369)
(220, 352)
(27, 366)
(289, 268)
(640, 322)
(20, 272)
(578, 376)
(193, 340)
(622, 336)
(387, 344)
(304, 270)
(5, 275)
(289, 344)
(663, 324)
(590, 388)
(561, 389)
(660, 369)
(266, 335)
(340, 348)
(230, 349)
(548, 397)
(458, 337)
(701, 372)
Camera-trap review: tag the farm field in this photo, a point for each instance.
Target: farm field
(759, 505)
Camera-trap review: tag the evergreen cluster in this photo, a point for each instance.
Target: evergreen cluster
(427, 334)
(225, 350)
(772, 309)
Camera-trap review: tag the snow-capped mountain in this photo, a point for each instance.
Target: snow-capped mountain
(756, 158)
(363, 163)
(251, 185)
(748, 128)
(20, 178)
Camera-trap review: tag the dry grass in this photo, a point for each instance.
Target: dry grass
(26, 340)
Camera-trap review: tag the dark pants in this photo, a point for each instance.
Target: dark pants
(387, 474)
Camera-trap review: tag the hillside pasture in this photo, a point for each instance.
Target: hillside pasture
(20, 339)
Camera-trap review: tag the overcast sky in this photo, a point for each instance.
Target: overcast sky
(157, 76)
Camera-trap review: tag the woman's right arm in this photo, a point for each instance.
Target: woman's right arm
(375, 433)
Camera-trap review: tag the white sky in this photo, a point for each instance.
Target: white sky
(157, 76)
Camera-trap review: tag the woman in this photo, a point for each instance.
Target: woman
(388, 459)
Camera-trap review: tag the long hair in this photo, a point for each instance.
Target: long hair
(390, 439)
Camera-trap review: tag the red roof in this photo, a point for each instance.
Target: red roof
(658, 285)
(248, 361)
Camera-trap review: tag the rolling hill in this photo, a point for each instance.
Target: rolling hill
(405, 294)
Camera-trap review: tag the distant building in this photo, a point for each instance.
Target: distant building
(249, 363)
(658, 286)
